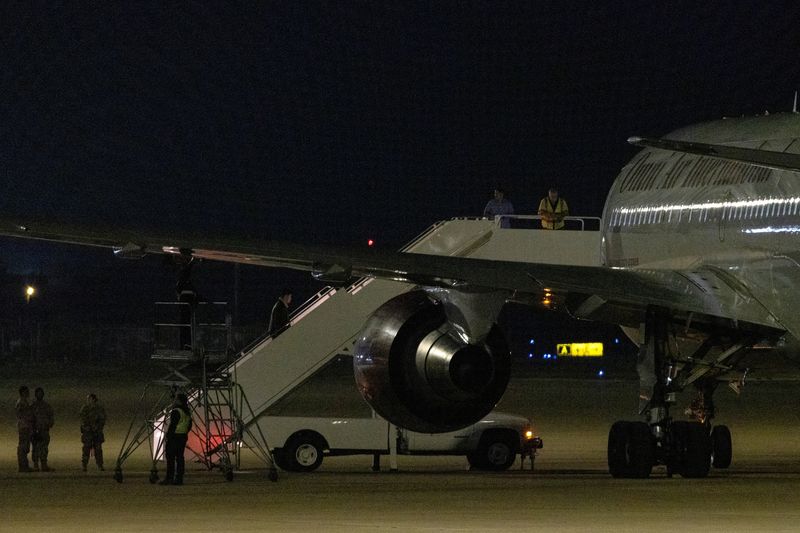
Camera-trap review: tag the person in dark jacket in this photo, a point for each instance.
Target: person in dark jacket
(279, 318)
(25, 427)
(499, 206)
(180, 423)
(44, 420)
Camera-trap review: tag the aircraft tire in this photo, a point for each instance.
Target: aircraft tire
(721, 446)
(618, 437)
(693, 446)
(641, 451)
(631, 453)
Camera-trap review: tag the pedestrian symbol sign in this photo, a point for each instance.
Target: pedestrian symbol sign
(580, 349)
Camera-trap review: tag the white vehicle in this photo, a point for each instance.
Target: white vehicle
(492, 443)
(327, 416)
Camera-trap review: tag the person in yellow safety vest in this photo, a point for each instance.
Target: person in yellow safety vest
(553, 209)
(180, 423)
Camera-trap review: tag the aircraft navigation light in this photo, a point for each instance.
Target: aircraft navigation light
(30, 291)
(370, 242)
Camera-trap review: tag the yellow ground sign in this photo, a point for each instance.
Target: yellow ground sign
(580, 349)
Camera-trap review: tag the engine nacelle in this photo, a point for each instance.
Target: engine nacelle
(416, 372)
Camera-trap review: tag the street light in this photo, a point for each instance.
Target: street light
(30, 290)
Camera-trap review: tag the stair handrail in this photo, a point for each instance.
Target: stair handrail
(294, 316)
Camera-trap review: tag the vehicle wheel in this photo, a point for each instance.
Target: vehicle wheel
(618, 437)
(693, 446)
(497, 452)
(153, 476)
(304, 452)
(118, 475)
(475, 461)
(279, 456)
(721, 447)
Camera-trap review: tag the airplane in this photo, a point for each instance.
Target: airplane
(699, 263)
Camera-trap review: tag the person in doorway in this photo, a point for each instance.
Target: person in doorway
(180, 423)
(499, 206)
(553, 209)
(43, 421)
(25, 426)
(279, 317)
(93, 420)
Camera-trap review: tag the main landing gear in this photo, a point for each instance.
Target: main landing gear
(686, 447)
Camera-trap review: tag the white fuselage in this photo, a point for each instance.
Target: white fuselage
(685, 212)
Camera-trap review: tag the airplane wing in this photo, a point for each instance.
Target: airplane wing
(587, 291)
(764, 158)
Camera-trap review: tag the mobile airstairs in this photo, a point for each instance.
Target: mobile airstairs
(229, 399)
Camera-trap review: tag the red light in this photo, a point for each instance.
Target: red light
(370, 242)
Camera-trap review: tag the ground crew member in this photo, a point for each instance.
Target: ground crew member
(93, 420)
(44, 420)
(553, 209)
(180, 423)
(25, 426)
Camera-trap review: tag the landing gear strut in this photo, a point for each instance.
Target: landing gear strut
(687, 448)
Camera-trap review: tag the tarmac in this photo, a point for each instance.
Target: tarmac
(568, 490)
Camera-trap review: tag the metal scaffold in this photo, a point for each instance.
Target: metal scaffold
(193, 343)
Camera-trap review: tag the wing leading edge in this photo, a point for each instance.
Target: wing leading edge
(597, 287)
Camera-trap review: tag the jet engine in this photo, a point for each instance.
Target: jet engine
(415, 370)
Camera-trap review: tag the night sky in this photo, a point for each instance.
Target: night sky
(339, 121)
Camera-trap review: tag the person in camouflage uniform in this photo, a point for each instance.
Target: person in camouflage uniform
(25, 426)
(44, 420)
(93, 420)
